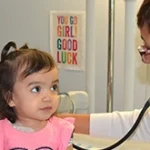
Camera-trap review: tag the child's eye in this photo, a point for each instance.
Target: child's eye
(54, 88)
(36, 89)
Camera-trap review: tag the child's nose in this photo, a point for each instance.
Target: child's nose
(49, 96)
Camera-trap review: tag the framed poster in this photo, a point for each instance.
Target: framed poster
(67, 39)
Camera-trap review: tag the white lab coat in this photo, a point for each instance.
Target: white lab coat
(117, 124)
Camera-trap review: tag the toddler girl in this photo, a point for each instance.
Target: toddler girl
(29, 100)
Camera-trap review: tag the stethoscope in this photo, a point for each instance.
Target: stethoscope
(147, 104)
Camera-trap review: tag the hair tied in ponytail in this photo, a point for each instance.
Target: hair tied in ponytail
(6, 49)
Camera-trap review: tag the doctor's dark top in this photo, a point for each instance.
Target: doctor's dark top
(54, 136)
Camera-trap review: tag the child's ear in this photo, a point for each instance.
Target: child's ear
(9, 99)
(11, 103)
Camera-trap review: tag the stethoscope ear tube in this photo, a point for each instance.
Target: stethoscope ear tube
(127, 135)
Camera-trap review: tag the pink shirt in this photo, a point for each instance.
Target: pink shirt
(55, 136)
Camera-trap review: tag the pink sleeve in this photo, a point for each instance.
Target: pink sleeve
(66, 133)
(1, 136)
(70, 119)
(1, 141)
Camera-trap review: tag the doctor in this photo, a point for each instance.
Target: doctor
(117, 124)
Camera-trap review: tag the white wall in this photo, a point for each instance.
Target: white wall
(28, 21)
(101, 55)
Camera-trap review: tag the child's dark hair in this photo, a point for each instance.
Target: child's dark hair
(32, 60)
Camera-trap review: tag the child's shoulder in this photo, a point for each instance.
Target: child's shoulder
(65, 127)
(64, 121)
(3, 123)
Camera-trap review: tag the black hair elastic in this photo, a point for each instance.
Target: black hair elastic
(6, 49)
